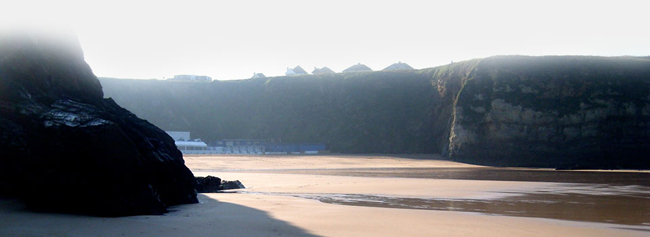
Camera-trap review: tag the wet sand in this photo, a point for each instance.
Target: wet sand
(375, 196)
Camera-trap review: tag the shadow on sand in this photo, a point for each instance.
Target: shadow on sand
(208, 218)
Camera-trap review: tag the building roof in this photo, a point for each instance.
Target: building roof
(298, 70)
(398, 66)
(358, 68)
(258, 75)
(190, 143)
(322, 70)
(295, 71)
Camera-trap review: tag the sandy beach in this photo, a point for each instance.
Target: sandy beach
(291, 196)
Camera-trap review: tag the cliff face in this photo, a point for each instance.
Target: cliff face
(60, 138)
(382, 112)
(503, 111)
(554, 112)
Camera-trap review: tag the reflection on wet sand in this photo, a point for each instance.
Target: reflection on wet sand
(573, 207)
(613, 209)
(605, 197)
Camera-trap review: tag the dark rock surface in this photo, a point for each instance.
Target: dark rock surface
(63, 147)
(211, 184)
(235, 184)
(208, 184)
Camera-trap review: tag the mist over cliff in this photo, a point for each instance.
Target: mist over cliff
(554, 111)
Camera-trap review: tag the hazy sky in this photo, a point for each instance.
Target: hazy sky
(233, 39)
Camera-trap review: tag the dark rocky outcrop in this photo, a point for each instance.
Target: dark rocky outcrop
(211, 184)
(63, 147)
(208, 184)
(235, 184)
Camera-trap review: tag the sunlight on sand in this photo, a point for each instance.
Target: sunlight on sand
(296, 196)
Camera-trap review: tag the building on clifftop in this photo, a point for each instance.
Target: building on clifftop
(190, 78)
(398, 66)
(323, 70)
(296, 71)
(258, 75)
(358, 68)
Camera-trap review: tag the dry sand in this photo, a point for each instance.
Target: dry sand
(239, 162)
(270, 207)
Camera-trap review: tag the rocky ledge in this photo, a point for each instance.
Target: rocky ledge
(63, 147)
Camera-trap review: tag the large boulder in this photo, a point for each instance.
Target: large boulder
(63, 147)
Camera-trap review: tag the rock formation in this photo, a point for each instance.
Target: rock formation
(227, 184)
(211, 184)
(63, 147)
(208, 184)
(564, 112)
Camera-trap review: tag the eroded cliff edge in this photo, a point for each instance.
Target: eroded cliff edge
(63, 147)
(565, 112)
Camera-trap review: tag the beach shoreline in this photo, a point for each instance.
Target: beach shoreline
(278, 202)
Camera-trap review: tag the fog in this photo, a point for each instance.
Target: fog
(234, 39)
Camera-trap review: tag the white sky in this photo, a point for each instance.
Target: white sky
(235, 38)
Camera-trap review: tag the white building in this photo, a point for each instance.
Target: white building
(192, 147)
(258, 75)
(191, 78)
(186, 145)
(295, 71)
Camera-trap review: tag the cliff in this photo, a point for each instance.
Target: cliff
(383, 112)
(63, 147)
(582, 112)
(556, 111)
